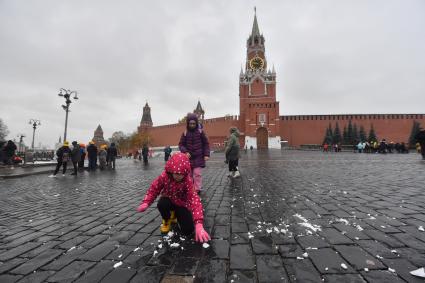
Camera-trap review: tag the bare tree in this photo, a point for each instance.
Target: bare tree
(3, 130)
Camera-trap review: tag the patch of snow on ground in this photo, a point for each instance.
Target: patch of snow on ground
(418, 272)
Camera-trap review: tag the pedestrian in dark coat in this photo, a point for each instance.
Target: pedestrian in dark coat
(167, 152)
(112, 155)
(83, 156)
(75, 156)
(232, 152)
(92, 155)
(9, 152)
(63, 156)
(2, 153)
(194, 143)
(420, 138)
(145, 153)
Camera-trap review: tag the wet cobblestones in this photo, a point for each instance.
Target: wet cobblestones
(293, 216)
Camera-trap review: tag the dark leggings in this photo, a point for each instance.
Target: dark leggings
(58, 166)
(75, 164)
(233, 164)
(184, 216)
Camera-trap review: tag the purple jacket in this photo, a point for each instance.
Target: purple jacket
(195, 142)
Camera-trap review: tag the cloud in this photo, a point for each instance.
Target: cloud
(330, 57)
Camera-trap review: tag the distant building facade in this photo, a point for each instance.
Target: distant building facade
(98, 137)
(259, 121)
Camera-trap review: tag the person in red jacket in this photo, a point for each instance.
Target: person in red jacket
(179, 201)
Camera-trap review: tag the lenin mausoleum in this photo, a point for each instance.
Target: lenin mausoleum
(259, 121)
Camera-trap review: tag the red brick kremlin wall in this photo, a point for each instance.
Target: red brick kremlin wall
(299, 129)
(310, 129)
(217, 130)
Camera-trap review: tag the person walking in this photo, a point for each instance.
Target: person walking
(167, 152)
(83, 156)
(102, 157)
(9, 152)
(325, 147)
(75, 156)
(112, 155)
(92, 155)
(420, 138)
(232, 152)
(382, 148)
(194, 143)
(63, 156)
(179, 202)
(145, 154)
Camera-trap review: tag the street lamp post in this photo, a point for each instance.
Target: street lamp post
(66, 93)
(21, 138)
(34, 123)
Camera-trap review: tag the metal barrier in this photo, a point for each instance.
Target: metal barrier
(31, 157)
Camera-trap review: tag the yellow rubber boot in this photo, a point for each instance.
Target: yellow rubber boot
(165, 226)
(173, 217)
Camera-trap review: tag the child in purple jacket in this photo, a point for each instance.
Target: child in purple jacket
(194, 143)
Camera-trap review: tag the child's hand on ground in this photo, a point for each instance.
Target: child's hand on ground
(200, 234)
(142, 207)
(206, 158)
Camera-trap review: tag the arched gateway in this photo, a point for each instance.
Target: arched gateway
(262, 138)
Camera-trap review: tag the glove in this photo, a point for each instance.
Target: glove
(200, 234)
(142, 207)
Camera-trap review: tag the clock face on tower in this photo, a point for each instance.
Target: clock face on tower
(256, 63)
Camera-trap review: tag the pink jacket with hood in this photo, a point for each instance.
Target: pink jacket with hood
(180, 193)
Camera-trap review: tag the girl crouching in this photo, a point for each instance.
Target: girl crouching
(179, 202)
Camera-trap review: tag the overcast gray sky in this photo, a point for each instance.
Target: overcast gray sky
(359, 56)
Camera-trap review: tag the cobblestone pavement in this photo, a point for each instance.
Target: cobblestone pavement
(293, 216)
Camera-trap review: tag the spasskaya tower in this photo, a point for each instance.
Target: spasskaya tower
(258, 108)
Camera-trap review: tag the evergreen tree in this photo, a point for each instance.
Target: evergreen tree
(331, 133)
(345, 135)
(337, 134)
(355, 134)
(416, 127)
(328, 136)
(362, 134)
(372, 135)
(350, 139)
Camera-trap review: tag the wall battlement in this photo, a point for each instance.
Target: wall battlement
(339, 117)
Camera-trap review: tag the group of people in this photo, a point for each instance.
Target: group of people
(180, 183)
(77, 155)
(381, 147)
(370, 147)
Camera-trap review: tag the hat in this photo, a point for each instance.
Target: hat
(82, 145)
(65, 143)
(91, 142)
(74, 143)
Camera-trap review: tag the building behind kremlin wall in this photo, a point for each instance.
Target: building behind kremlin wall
(259, 121)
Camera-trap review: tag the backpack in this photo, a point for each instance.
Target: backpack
(65, 157)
